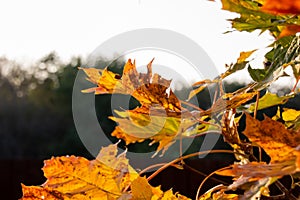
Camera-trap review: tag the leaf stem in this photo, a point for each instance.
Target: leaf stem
(191, 105)
(295, 86)
(185, 157)
(206, 178)
(256, 104)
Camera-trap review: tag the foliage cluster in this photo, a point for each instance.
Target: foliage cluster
(110, 176)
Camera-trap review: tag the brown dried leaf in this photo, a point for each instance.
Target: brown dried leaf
(281, 144)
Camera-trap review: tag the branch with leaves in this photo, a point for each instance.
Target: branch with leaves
(163, 118)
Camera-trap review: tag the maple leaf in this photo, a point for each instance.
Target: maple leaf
(278, 142)
(256, 14)
(148, 89)
(281, 6)
(73, 177)
(142, 190)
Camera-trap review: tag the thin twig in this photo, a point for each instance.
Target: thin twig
(203, 174)
(295, 86)
(206, 178)
(192, 105)
(185, 157)
(256, 104)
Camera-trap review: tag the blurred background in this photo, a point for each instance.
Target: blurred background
(42, 44)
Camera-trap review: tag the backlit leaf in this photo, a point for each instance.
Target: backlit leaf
(73, 177)
(142, 190)
(39, 193)
(155, 124)
(278, 142)
(256, 14)
(290, 114)
(282, 7)
(270, 99)
(289, 30)
(239, 65)
(148, 89)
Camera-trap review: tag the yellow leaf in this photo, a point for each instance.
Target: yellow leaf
(155, 124)
(269, 100)
(203, 84)
(92, 73)
(70, 177)
(142, 190)
(244, 55)
(290, 114)
(148, 89)
(39, 193)
(279, 143)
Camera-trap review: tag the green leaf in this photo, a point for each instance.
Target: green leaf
(257, 75)
(253, 18)
(269, 100)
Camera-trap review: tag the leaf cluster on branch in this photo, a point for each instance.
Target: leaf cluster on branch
(163, 118)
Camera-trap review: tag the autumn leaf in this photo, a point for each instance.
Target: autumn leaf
(218, 193)
(278, 142)
(93, 74)
(107, 81)
(201, 85)
(240, 64)
(233, 102)
(268, 100)
(256, 14)
(281, 7)
(152, 91)
(142, 190)
(289, 30)
(148, 89)
(39, 193)
(258, 170)
(155, 124)
(70, 177)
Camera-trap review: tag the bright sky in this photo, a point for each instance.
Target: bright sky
(31, 29)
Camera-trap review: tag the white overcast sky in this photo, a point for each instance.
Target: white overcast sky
(31, 29)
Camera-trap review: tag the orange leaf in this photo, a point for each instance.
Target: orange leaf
(70, 177)
(146, 88)
(282, 6)
(40, 193)
(142, 190)
(289, 30)
(156, 124)
(279, 143)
